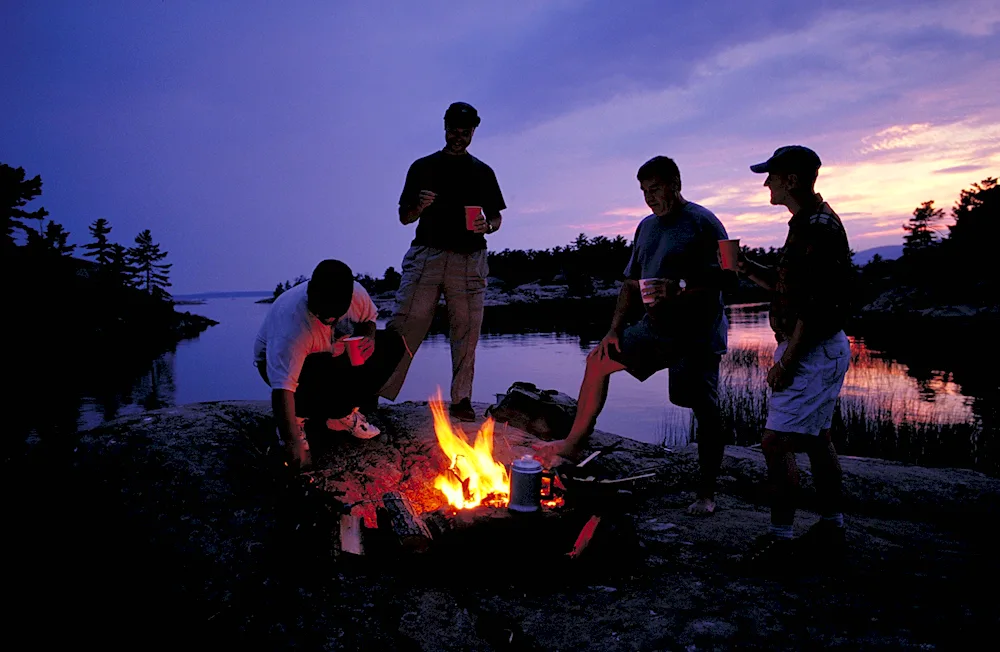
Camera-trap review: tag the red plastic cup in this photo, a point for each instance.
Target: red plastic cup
(643, 284)
(354, 350)
(729, 251)
(472, 214)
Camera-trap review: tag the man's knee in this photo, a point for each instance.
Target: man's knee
(775, 443)
(391, 342)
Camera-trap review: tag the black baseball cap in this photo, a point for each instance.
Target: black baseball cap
(461, 115)
(789, 159)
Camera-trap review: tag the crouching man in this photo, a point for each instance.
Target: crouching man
(301, 354)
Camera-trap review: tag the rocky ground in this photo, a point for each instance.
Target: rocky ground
(181, 526)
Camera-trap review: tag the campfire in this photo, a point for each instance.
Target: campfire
(474, 477)
(475, 501)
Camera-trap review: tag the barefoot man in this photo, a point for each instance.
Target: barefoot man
(675, 253)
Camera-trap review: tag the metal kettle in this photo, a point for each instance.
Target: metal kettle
(525, 484)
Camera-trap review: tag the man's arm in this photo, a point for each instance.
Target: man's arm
(283, 406)
(414, 199)
(762, 275)
(409, 215)
(626, 296)
(781, 374)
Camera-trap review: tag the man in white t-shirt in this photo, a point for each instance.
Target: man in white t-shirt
(300, 353)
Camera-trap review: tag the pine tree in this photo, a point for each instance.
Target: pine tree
(55, 239)
(975, 214)
(100, 249)
(144, 258)
(49, 242)
(920, 234)
(119, 267)
(16, 192)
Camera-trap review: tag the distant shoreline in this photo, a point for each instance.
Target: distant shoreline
(200, 297)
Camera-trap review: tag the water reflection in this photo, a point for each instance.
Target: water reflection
(932, 409)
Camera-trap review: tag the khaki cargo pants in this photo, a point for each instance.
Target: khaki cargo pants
(427, 273)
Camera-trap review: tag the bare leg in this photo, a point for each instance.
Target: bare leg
(711, 448)
(826, 474)
(783, 473)
(593, 394)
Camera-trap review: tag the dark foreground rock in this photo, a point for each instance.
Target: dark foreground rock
(181, 526)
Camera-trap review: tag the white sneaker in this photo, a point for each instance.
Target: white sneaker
(355, 424)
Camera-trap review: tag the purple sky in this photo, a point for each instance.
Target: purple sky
(255, 139)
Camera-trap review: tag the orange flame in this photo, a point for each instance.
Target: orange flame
(474, 476)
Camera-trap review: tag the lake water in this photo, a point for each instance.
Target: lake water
(922, 403)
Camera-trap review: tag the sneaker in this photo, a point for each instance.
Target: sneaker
(354, 424)
(462, 410)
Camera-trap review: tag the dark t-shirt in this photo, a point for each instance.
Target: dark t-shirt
(458, 181)
(684, 245)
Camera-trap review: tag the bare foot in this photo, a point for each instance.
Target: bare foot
(702, 507)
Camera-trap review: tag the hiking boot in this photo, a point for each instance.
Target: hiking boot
(354, 424)
(462, 410)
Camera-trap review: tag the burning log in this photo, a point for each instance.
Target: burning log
(399, 516)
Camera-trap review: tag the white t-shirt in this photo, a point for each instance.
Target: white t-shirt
(290, 333)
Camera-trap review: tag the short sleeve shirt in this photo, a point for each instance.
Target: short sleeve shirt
(290, 333)
(458, 181)
(816, 277)
(683, 245)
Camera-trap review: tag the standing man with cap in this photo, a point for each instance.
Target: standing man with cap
(812, 289)
(447, 256)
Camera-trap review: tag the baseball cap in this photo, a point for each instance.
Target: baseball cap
(461, 114)
(789, 158)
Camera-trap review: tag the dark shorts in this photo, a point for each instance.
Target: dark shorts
(694, 372)
(330, 387)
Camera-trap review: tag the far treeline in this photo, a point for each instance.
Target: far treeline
(76, 300)
(937, 268)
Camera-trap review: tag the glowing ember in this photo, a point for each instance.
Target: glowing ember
(474, 477)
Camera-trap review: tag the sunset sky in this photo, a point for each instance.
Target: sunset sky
(255, 139)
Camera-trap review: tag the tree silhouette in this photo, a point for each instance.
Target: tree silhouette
(52, 242)
(16, 192)
(920, 234)
(144, 259)
(976, 214)
(120, 268)
(100, 249)
(55, 239)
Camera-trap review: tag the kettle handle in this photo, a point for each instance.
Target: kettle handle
(548, 483)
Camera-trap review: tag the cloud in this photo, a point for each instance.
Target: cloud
(956, 169)
(637, 211)
(853, 83)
